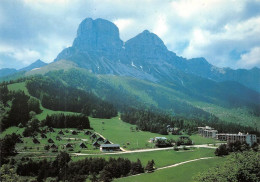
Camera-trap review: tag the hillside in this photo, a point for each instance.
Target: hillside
(197, 99)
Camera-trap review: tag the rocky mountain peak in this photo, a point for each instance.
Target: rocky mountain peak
(97, 35)
(146, 45)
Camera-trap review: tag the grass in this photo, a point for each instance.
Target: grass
(182, 173)
(18, 86)
(162, 158)
(121, 133)
(21, 86)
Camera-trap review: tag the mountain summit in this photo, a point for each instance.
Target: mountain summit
(99, 48)
(98, 35)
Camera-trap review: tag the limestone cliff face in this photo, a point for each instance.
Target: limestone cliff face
(98, 35)
(98, 47)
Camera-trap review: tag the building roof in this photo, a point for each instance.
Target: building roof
(68, 145)
(83, 145)
(53, 146)
(50, 140)
(110, 145)
(107, 142)
(96, 144)
(160, 138)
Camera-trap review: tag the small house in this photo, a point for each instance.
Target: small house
(51, 129)
(110, 147)
(68, 145)
(100, 139)
(61, 132)
(43, 135)
(66, 131)
(35, 141)
(53, 146)
(74, 132)
(50, 140)
(58, 138)
(107, 142)
(93, 135)
(96, 144)
(88, 133)
(82, 145)
(160, 138)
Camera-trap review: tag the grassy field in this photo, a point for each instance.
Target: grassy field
(121, 133)
(162, 158)
(182, 173)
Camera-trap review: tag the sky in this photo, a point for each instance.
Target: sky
(225, 32)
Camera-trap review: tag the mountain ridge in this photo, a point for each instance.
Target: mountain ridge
(99, 48)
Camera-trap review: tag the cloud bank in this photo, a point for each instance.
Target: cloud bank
(225, 32)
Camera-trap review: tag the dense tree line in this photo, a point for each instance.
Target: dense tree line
(67, 121)
(225, 149)
(7, 147)
(157, 122)
(56, 96)
(150, 121)
(18, 112)
(238, 167)
(63, 169)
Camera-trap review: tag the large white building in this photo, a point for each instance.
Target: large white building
(207, 132)
(231, 138)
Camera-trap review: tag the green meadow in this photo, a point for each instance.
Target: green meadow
(182, 173)
(129, 138)
(161, 158)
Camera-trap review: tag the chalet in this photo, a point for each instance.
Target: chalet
(109, 147)
(68, 145)
(51, 129)
(88, 133)
(82, 145)
(100, 139)
(53, 146)
(107, 142)
(93, 135)
(43, 135)
(96, 144)
(58, 138)
(66, 131)
(50, 140)
(74, 132)
(35, 141)
(61, 132)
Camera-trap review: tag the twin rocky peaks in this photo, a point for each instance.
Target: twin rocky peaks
(99, 48)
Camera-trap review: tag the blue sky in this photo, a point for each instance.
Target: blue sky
(225, 32)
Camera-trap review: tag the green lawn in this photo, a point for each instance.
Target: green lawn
(162, 158)
(18, 86)
(120, 132)
(182, 173)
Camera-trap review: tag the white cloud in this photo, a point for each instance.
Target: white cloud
(250, 59)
